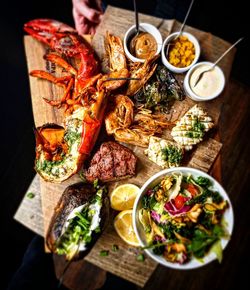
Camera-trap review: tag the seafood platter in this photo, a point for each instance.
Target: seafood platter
(104, 126)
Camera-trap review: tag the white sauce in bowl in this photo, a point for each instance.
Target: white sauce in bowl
(210, 83)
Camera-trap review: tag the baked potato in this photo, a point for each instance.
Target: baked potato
(78, 220)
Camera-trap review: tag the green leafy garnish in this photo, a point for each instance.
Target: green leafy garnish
(140, 258)
(148, 202)
(95, 183)
(104, 253)
(115, 248)
(30, 195)
(217, 249)
(203, 181)
(202, 240)
(158, 248)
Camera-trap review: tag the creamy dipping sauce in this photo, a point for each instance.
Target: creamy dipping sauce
(143, 45)
(210, 83)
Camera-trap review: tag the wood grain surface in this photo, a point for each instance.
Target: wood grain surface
(123, 262)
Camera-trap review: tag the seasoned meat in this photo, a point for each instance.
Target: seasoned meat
(84, 197)
(112, 161)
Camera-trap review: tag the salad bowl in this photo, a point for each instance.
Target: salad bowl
(204, 238)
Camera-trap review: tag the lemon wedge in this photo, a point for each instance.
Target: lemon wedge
(123, 196)
(124, 228)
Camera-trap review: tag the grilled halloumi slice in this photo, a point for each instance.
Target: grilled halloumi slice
(164, 153)
(190, 129)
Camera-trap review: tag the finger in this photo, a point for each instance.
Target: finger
(91, 14)
(81, 26)
(98, 5)
(92, 30)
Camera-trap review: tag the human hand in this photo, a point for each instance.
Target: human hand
(87, 15)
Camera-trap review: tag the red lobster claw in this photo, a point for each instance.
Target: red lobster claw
(46, 30)
(64, 39)
(89, 134)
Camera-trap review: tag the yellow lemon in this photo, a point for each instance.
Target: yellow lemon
(124, 228)
(123, 196)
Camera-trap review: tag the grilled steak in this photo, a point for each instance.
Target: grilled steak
(112, 161)
(79, 218)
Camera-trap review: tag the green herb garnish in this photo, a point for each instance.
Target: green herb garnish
(172, 154)
(104, 253)
(115, 248)
(30, 195)
(198, 129)
(95, 183)
(140, 258)
(203, 181)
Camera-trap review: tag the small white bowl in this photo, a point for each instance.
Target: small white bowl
(228, 216)
(146, 27)
(164, 59)
(212, 86)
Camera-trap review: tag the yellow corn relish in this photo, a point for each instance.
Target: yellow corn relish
(181, 52)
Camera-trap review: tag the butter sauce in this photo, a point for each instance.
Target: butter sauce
(143, 45)
(210, 83)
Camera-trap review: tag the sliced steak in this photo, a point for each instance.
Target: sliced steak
(112, 161)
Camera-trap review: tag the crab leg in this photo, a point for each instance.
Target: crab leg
(47, 76)
(66, 95)
(61, 62)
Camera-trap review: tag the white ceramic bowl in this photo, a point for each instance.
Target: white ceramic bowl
(191, 93)
(164, 59)
(150, 183)
(144, 27)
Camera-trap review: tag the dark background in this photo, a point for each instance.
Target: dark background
(226, 20)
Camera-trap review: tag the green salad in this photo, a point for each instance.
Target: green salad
(182, 218)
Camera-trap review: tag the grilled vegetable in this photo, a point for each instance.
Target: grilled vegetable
(164, 153)
(191, 128)
(158, 93)
(78, 220)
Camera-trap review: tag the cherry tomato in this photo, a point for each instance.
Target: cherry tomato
(192, 189)
(179, 201)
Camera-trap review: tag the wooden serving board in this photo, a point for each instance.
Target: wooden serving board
(123, 262)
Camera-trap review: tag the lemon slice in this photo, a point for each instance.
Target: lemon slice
(123, 196)
(124, 228)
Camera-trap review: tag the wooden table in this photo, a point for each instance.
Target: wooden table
(33, 218)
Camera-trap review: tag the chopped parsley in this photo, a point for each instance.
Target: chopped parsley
(115, 248)
(104, 253)
(71, 137)
(172, 154)
(30, 195)
(198, 129)
(140, 258)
